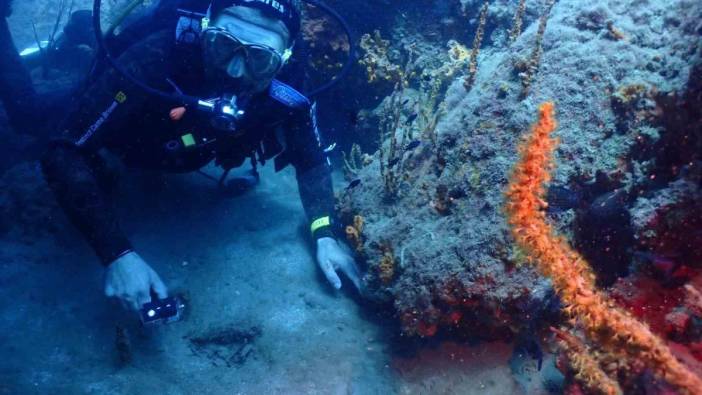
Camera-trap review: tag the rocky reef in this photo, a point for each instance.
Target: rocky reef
(434, 238)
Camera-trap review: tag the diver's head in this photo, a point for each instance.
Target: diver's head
(248, 41)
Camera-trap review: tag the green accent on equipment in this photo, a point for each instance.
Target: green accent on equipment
(320, 223)
(120, 97)
(188, 140)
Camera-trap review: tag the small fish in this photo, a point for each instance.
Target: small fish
(609, 206)
(561, 199)
(448, 21)
(404, 103)
(530, 347)
(393, 162)
(537, 353)
(353, 184)
(411, 118)
(412, 145)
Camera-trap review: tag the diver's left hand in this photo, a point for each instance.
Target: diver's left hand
(332, 257)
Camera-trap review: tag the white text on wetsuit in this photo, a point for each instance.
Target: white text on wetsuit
(272, 3)
(94, 127)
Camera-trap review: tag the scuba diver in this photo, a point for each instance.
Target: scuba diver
(17, 92)
(236, 52)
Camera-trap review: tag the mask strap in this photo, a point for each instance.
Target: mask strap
(287, 55)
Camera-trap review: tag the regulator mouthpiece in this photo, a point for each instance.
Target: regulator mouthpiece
(225, 113)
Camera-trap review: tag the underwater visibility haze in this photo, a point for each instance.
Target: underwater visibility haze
(351, 197)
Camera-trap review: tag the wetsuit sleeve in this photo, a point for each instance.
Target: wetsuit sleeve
(16, 89)
(313, 172)
(76, 179)
(73, 166)
(109, 106)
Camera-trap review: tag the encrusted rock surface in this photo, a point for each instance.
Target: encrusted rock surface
(604, 64)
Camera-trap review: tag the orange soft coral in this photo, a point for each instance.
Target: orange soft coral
(611, 328)
(587, 369)
(386, 267)
(354, 233)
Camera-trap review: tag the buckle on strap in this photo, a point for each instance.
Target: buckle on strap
(288, 96)
(190, 26)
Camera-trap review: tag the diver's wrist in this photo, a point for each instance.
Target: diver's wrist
(321, 227)
(322, 233)
(325, 241)
(120, 256)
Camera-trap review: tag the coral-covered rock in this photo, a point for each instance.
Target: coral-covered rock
(670, 224)
(677, 323)
(603, 64)
(647, 299)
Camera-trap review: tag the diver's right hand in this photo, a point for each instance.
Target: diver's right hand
(130, 279)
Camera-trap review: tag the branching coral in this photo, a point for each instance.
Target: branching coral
(318, 28)
(392, 159)
(532, 66)
(435, 79)
(354, 233)
(354, 161)
(517, 22)
(412, 113)
(604, 324)
(458, 55)
(477, 42)
(386, 267)
(433, 82)
(376, 61)
(587, 369)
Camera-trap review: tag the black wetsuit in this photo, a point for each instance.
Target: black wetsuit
(115, 115)
(17, 93)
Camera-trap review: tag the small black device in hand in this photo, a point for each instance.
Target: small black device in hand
(161, 311)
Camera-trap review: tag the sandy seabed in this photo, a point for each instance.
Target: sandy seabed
(270, 323)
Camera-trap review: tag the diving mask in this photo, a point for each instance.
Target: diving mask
(261, 61)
